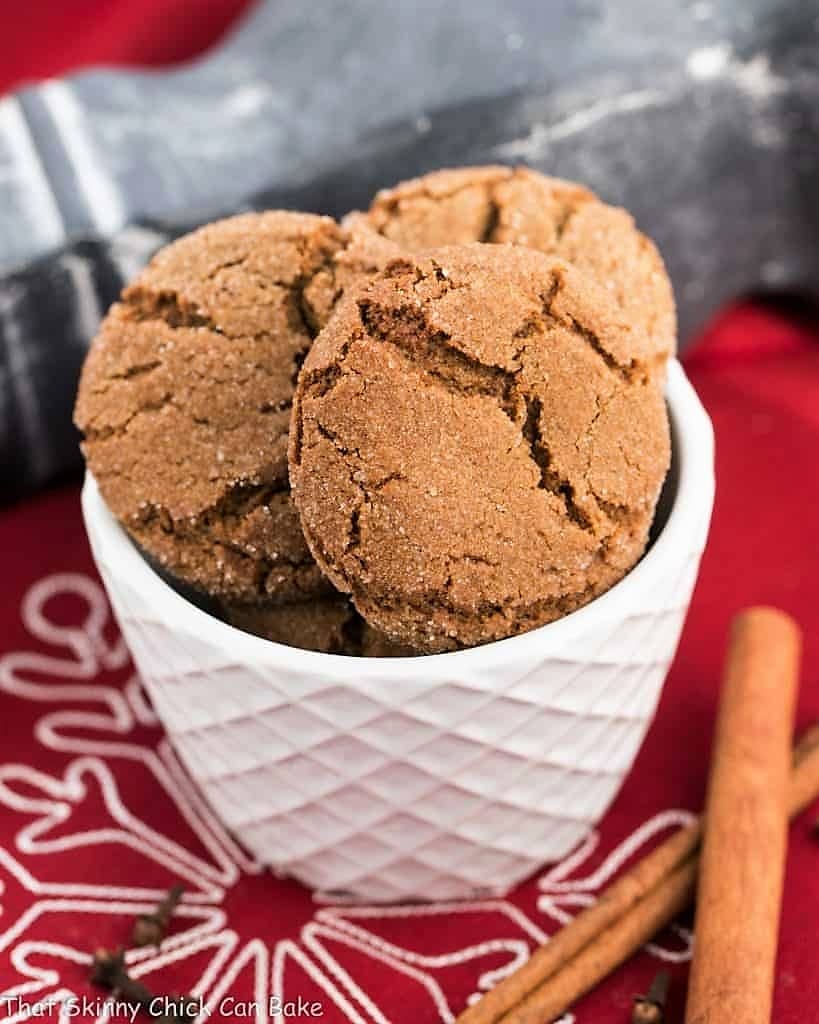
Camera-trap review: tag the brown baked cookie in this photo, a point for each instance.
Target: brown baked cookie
(476, 448)
(185, 398)
(330, 625)
(363, 252)
(524, 207)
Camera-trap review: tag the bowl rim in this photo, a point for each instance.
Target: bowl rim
(693, 500)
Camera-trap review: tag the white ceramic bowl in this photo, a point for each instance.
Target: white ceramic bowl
(437, 777)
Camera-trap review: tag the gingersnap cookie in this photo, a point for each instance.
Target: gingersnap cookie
(330, 625)
(362, 252)
(524, 207)
(476, 446)
(185, 396)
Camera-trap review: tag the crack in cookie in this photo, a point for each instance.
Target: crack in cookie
(523, 466)
(519, 206)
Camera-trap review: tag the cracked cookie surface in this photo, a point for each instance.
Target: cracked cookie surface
(523, 207)
(185, 397)
(477, 446)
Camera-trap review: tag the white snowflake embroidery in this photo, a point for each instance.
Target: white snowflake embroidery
(99, 728)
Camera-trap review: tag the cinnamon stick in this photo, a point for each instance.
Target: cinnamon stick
(623, 898)
(612, 947)
(804, 784)
(610, 907)
(742, 863)
(640, 923)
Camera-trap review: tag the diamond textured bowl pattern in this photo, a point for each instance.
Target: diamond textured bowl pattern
(439, 777)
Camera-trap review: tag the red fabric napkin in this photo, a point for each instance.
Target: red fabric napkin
(52, 37)
(96, 816)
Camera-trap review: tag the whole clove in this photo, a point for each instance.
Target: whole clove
(108, 970)
(151, 929)
(650, 1008)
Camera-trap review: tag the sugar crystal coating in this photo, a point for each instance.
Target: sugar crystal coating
(523, 207)
(477, 444)
(185, 397)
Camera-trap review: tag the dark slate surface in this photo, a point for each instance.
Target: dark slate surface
(700, 117)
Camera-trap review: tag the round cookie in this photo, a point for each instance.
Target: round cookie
(185, 397)
(363, 251)
(325, 624)
(476, 446)
(524, 207)
(330, 625)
